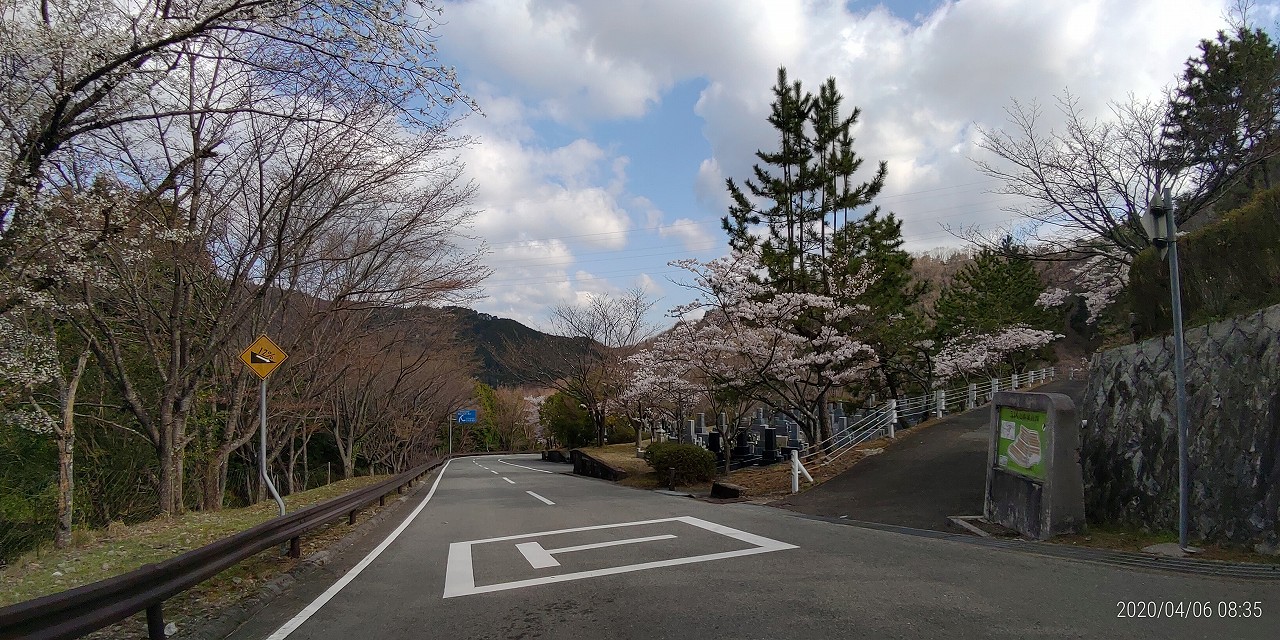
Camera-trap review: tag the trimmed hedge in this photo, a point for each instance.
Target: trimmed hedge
(1228, 268)
(691, 462)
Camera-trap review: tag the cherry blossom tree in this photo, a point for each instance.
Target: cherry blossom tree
(789, 349)
(78, 70)
(607, 329)
(972, 353)
(1097, 280)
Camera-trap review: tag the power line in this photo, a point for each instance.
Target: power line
(637, 271)
(693, 223)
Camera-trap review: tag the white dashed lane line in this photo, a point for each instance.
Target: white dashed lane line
(524, 467)
(509, 480)
(539, 497)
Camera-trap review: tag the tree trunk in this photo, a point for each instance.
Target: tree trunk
(293, 465)
(210, 485)
(169, 481)
(66, 453)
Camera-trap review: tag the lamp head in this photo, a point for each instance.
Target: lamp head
(1153, 220)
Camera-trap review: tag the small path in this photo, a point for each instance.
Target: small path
(933, 472)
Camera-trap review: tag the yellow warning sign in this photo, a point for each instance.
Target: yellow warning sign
(263, 356)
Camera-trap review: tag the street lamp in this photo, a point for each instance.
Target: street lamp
(1160, 227)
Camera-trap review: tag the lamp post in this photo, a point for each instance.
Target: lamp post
(1164, 234)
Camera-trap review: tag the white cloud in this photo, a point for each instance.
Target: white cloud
(690, 232)
(527, 193)
(923, 86)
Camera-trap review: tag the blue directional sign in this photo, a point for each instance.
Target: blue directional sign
(466, 415)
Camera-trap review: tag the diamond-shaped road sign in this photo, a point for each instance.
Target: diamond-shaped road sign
(263, 356)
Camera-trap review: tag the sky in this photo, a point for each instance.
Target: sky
(608, 127)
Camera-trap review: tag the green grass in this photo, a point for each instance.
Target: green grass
(97, 555)
(1122, 538)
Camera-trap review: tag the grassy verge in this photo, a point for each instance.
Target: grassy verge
(762, 484)
(120, 548)
(1133, 539)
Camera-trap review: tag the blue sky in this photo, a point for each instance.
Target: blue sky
(610, 126)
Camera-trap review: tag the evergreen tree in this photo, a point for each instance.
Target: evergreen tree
(801, 190)
(1222, 119)
(893, 322)
(997, 290)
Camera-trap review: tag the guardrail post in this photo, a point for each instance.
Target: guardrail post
(400, 489)
(893, 417)
(973, 396)
(295, 547)
(155, 621)
(1013, 380)
(940, 401)
(382, 501)
(351, 517)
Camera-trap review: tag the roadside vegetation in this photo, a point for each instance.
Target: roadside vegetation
(167, 197)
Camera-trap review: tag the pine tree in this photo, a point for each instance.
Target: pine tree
(893, 322)
(997, 290)
(801, 190)
(1223, 118)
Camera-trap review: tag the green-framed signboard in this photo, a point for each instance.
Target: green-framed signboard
(1022, 446)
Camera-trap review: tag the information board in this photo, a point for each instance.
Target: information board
(1020, 448)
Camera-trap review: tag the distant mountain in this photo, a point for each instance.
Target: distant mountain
(490, 334)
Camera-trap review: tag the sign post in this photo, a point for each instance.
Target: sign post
(464, 416)
(262, 357)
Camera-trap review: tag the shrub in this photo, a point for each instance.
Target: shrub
(621, 433)
(691, 462)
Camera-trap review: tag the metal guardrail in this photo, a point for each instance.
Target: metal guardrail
(71, 614)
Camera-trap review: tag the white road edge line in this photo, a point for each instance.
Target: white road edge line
(509, 480)
(293, 624)
(524, 467)
(539, 497)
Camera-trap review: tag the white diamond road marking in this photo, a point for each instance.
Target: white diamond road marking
(459, 579)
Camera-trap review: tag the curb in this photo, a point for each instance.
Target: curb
(230, 618)
(1116, 559)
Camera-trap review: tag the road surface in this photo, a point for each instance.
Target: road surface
(510, 547)
(930, 474)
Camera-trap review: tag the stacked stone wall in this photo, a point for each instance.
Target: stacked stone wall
(1129, 444)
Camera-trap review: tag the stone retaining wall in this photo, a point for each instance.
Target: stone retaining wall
(1129, 443)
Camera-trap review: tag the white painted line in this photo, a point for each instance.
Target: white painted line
(611, 543)
(460, 576)
(524, 467)
(464, 578)
(539, 497)
(293, 624)
(540, 558)
(537, 556)
(509, 480)
(492, 471)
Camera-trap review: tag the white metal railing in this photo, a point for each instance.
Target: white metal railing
(883, 418)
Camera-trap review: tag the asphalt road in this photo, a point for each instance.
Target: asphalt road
(932, 473)
(488, 557)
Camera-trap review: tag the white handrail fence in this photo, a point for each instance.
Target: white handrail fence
(882, 420)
